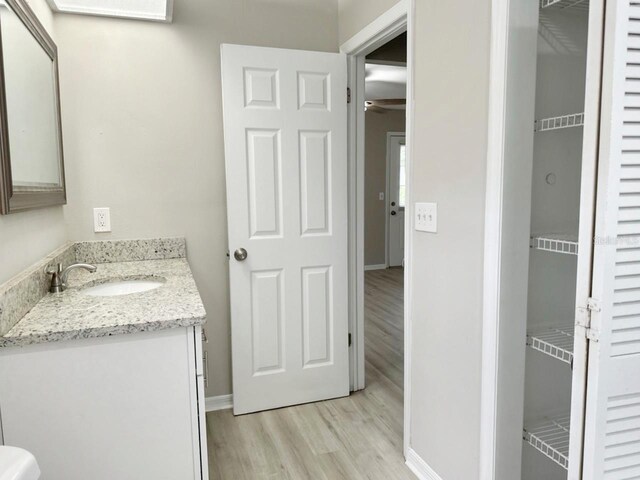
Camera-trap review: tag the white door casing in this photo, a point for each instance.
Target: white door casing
(395, 211)
(285, 127)
(612, 418)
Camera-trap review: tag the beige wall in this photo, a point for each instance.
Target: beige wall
(143, 128)
(375, 180)
(28, 236)
(449, 167)
(357, 14)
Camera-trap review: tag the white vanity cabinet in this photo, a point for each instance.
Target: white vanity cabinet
(121, 407)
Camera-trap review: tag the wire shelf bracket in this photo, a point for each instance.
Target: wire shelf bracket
(551, 438)
(557, 243)
(557, 342)
(557, 123)
(564, 4)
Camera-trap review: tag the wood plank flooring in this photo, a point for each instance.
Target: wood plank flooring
(356, 437)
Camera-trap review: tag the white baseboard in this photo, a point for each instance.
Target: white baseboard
(380, 266)
(221, 402)
(419, 467)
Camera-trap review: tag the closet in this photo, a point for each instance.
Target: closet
(555, 212)
(581, 412)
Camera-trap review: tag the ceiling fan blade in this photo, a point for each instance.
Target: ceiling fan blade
(375, 109)
(382, 102)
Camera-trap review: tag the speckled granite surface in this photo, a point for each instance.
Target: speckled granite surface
(109, 251)
(22, 292)
(73, 314)
(29, 314)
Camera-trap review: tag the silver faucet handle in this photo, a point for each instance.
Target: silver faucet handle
(56, 276)
(51, 269)
(59, 276)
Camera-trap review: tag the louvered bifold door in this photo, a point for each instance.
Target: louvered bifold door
(612, 415)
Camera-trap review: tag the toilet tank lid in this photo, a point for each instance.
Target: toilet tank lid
(17, 464)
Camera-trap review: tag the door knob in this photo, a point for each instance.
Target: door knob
(393, 212)
(240, 254)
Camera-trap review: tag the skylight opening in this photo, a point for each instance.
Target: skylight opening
(152, 10)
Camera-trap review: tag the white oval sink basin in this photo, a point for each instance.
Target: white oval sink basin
(122, 287)
(17, 464)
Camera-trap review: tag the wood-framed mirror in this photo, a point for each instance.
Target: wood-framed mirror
(31, 154)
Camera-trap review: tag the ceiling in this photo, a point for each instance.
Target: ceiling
(385, 81)
(393, 51)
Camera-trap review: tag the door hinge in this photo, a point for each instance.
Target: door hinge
(348, 95)
(349, 339)
(593, 304)
(584, 319)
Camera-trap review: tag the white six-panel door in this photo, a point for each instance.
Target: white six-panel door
(285, 127)
(612, 420)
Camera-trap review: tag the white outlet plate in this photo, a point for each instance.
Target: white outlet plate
(101, 220)
(426, 217)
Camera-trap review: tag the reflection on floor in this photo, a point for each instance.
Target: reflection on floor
(357, 437)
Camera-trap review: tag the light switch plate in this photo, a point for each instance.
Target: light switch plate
(426, 219)
(101, 220)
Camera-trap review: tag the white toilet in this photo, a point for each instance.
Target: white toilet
(17, 464)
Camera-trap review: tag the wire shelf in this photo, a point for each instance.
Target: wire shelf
(557, 342)
(557, 123)
(563, 4)
(551, 437)
(557, 243)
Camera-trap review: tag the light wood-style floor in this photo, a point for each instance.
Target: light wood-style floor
(356, 437)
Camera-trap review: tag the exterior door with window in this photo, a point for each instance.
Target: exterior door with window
(396, 176)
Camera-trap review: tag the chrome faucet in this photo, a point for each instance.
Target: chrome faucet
(59, 276)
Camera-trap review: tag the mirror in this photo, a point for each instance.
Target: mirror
(32, 174)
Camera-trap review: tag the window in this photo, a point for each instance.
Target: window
(402, 177)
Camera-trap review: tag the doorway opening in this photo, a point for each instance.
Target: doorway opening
(385, 87)
(380, 64)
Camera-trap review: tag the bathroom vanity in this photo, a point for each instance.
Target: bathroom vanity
(100, 383)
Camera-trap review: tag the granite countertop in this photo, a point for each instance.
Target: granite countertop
(73, 314)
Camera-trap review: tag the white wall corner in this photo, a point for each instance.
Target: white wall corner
(419, 467)
(221, 402)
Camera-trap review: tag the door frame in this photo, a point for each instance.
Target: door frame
(495, 378)
(387, 209)
(499, 56)
(387, 26)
